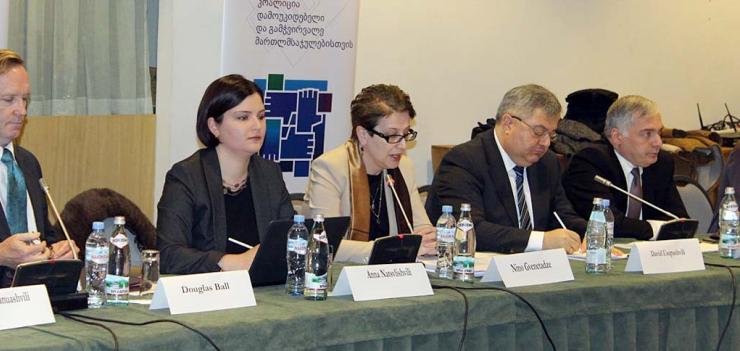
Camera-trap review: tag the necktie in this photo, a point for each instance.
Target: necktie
(634, 207)
(15, 210)
(521, 202)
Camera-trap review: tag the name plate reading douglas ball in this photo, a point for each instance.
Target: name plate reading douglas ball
(529, 268)
(383, 281)
(204, 292)
(665, 256)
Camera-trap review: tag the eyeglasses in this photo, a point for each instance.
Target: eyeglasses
(539, 131)
(395, 138)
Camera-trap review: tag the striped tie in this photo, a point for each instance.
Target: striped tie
(521, 202)
(634, 207)
(15, 210)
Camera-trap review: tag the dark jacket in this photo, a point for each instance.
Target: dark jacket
(657, 188)
(191, 223)
(474, 173)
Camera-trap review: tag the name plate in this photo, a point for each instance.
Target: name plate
(665, 256)
(204, 292)
(529, 268)
(25, 306)
(383, 281)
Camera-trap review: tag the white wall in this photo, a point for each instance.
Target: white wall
(457, 58)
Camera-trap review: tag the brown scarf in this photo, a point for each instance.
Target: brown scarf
(360, 196)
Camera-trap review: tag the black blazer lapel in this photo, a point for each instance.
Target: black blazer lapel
(499, 174)
(540, 195)
(618, 179)
(32, 176)
(260, 184)
(212, 175)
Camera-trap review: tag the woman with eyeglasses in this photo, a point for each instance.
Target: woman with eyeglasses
(355, 178)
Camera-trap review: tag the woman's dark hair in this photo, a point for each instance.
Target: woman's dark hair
(220, 96)
(377, 101)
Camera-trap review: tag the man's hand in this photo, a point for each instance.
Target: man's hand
(19, 248)
(61, 250)
(428, 240)
(567, 239)
(234, 262)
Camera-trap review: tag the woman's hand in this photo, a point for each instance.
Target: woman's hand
(428, 240)
(235, 262)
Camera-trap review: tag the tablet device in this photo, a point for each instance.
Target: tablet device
(400, 248)
(59, 276)
(678, 229)
(270, 267)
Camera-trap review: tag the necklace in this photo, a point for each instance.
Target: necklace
(233, 189)
(377, 197)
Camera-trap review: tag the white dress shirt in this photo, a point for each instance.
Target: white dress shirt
(535, 237)
(31, 219)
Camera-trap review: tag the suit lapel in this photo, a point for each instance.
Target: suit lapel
(33, 187)
(499, 174)
(212, 174)
(260, 196)
(619, 179)
(540, 195)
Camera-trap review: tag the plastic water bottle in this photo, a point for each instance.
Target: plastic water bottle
(296, 256)
(446, 227)
(728, 223)
(96, 265)
(609, 217)
(317, 261)
(596, 240)
(116, 281)
(463, 263)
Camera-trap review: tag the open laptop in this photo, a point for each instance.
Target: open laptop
(270, 266)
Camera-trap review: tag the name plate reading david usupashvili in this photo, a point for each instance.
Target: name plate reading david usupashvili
(529, 268)
(383, 281)
(204, 292)
(665, 256)
(25, 306)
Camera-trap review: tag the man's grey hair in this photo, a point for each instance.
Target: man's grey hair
(523, 100)
(622, 113)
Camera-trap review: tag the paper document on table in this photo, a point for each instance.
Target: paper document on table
(581, 256)
(482, 259)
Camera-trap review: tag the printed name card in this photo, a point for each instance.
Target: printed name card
(529, 268)
(204, 292)
(383, 281)
(24, 306)
(665, 256)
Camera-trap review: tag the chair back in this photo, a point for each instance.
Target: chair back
(696, 201)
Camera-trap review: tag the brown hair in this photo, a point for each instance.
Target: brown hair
(377, 101)
(8, 60)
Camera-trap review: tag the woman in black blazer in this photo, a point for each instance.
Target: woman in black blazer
(224, 190)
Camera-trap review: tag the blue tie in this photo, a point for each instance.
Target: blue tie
(16, 205)
(521, 202)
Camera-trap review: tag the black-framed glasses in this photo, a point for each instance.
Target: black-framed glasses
(538, 131)
(395, 138)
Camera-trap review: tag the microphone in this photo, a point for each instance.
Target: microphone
(392, 184)
(59, 218)
(604, 181)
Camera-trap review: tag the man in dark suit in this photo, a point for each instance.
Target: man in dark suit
(632, 160)
(24, 224)
(510, 179)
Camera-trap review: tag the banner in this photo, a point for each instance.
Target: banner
(302, 54)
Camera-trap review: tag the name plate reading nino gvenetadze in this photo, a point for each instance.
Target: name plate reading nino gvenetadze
(25, 306)
(204, 292)
(383, 281)
(529, 268)
(665, 256)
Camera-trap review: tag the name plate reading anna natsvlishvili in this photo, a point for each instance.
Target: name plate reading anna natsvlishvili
(529, 268)
(383, 281)
(665, 256)
(204, 292)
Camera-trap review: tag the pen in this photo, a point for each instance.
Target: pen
(562, 225)
(241, 243)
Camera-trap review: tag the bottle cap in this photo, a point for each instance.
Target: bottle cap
(98, 226)
(605, 202)
(117, 220)
(730, 190)
(299, 218)
(446, 209)
(465, 207)
(318, 218)
(597, 201)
